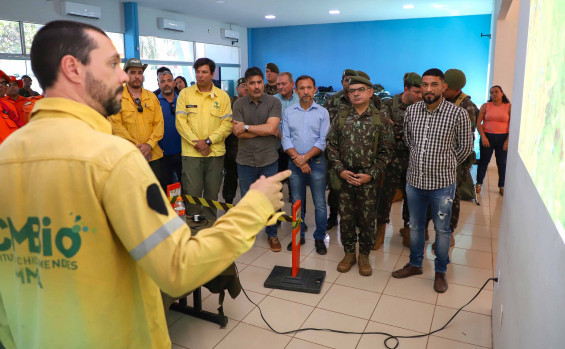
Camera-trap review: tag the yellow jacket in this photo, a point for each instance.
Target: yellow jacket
(138, 128)
(202, 115)
(82, 255)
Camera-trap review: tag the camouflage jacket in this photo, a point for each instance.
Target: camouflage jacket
(351, 144)
(469, 106)
(395, 109)
(271, 89)
(340, 100)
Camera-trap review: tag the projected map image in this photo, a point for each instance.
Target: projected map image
(542, 129)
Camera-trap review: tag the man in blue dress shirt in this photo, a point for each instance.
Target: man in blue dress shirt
(304, 129)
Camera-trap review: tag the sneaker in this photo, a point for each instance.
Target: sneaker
(320, 247)
(346, 263)
(364, 265)
(275, 244)
(289, 247)
(407, 271)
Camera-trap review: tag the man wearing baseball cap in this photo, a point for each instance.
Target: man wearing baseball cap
(140, 119)
(271, 74)
(13, 96)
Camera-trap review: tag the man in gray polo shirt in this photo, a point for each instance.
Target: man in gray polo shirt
(256, 119)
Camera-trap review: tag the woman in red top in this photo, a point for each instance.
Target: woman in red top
(493, 125)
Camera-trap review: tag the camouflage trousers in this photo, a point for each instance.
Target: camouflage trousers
(462, 173)
(357, 205)
(394, 178)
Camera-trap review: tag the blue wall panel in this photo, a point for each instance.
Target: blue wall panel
(383, 49)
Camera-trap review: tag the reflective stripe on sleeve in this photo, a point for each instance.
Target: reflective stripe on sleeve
(155, 239)
(225, 116)
(181, 112)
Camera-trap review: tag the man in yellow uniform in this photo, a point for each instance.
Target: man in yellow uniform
(140, 120)
(88, 241)
(203, 121)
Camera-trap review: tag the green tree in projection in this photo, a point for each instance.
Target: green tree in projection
(30, 30)
(10, 37)
(148, 47)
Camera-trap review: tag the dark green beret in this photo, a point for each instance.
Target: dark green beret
(455, 79)
(273, 67)
(363, 74)
(360, 80)
(413, 79)
(240, 81)
(348, 72)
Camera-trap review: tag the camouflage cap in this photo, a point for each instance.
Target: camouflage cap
(272, 67)
(360, 80)
(348, 72)
(455, 79)
(240, 81)
(412, 79)
(134, 62)
(363, 74)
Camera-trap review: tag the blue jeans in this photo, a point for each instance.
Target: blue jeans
(317, 182)
(497, 145)
(248, 175)
(440, 201)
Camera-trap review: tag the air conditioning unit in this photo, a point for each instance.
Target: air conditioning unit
(229, 34)
(169, 24)
(80, 10)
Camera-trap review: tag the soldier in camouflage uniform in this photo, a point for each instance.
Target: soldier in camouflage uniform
(230, 166)
(360, 144)
(271, 75)
(334, 104)
(456, 80)
(395, 173)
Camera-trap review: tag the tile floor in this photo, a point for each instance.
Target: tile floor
(351, 302)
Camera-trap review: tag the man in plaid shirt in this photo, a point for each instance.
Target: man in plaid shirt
(438, 135)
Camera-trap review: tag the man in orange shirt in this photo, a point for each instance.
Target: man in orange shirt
(9, 120)
(13, 95)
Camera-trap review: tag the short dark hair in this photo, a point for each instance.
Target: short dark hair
(25, 76)
(183, 79)
(434, 72)
(54, 41)
(162, 69)
(205, 61)
(305, 77)
(253, 71)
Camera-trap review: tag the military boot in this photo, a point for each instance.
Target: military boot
(380, 238)
(364, 265)
(405, 236)
(346, 263)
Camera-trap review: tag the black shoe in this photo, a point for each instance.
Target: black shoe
(320, 247)
(289, 247)
(332, 222)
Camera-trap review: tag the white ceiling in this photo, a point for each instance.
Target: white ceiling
(251, 13)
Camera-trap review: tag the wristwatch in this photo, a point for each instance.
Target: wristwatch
(208, 141)
(246, 128)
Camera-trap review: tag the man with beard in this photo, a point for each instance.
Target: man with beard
(438, 136)
(304, 129)
(140, 119)
(171, 162)
(82, 241)
(204, 122)
(256, 119)
(395, 172)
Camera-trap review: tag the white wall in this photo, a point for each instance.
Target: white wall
(502, 66)
(200, 30)
(531, 253)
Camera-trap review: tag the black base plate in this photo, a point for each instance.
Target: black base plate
(307, 280)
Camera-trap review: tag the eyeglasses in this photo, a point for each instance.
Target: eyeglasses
(138, 103)
(360, 90)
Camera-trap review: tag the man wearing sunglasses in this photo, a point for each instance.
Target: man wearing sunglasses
(140, 120)
(9, 119)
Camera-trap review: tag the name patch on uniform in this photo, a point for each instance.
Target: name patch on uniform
(191, 106)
